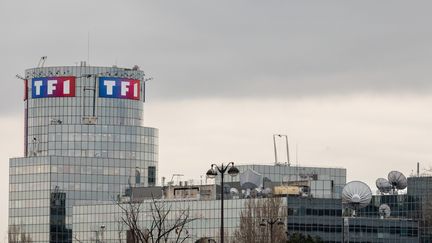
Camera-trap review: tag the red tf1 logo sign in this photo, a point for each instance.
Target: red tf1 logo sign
(53, 87)
(120, 88)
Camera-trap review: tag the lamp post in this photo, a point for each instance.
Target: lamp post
(271, 222)
(102, 229)
(212, 173)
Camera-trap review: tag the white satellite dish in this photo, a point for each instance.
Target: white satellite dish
(383, 185)
(234, 192)
(267, 192)
(397, 180)
(384, 211)
(356, 195)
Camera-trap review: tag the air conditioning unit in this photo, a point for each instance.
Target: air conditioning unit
(89, 120)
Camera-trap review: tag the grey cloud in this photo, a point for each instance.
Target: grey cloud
(228, 49)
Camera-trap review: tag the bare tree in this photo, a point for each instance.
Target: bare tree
(164, 223)
(261, 221)
(120, 229)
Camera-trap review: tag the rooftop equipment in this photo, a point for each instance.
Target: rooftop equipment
(356, 195)
(397, 180)
(383, 185)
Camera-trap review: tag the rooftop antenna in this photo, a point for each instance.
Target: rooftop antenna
(275, 149)
(42, 62)
(356, 195)
(88, 47)
(172, 178)
(418, 169)
(20, 77)
(297, 162)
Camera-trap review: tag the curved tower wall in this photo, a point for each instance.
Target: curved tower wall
(57, 124)
(84, 143)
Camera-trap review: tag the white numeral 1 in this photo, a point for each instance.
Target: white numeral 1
(66, 87)
(136, 90)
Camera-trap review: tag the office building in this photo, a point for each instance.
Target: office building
(319, 218)
(84, 142)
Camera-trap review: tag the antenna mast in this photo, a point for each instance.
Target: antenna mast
(88, 48)
(42, 62)
(287, 148)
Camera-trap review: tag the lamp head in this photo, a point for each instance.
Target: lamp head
(211, 173)
(233, 171)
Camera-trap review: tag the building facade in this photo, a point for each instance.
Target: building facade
(419, 197)
(84, 143)
(323, 182)
(88, 219)
(414, 205)
(319, 218)
(323, 218)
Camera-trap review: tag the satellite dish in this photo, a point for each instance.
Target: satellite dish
(383, 185)
(250, 179)
(397, 180)
(234, 192)
(267, 192)
(384, 211)
(256, 192)
(356, 195)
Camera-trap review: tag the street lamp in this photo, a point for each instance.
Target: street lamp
(102, 228)
(271, 222)
(212, 173)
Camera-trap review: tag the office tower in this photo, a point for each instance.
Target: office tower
(84, 142)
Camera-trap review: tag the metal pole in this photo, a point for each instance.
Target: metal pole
(287, 148)
(222, 205)
(271, 231)
(275, 151)
(94, 96)
(418, 169)
(222, 171)
(287, 222)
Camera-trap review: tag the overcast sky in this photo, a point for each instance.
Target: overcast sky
(349, 82)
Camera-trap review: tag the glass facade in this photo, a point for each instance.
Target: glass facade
(323, 182)
(316, 217)
(415, 205)
(79, 149)
(323, 218)
(419, 195)
(88, 219)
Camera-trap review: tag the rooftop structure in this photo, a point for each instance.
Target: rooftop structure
(322, 182)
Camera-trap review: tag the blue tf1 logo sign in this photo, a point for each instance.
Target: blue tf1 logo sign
(120, 88)
(53, 87)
